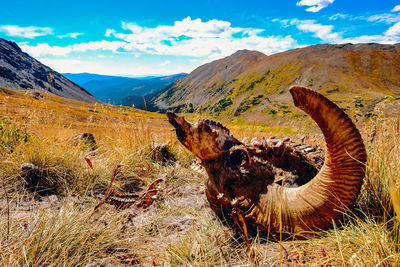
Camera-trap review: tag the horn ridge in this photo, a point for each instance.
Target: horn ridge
(320, 202)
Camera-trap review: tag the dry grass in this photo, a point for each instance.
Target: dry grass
(59, 229)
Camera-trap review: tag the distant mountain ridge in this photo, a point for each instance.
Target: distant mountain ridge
(252, 86)
(20, 71)
(81, 78)
(123, 90)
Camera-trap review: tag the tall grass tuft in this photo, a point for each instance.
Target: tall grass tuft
(60, 237)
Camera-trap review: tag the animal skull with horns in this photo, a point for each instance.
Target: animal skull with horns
(238, 179)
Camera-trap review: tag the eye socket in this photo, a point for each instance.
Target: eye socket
(239, 158)
(227, 145)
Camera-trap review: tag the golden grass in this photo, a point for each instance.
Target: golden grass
(179, 228)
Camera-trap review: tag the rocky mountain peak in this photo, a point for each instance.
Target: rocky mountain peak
(20, 71)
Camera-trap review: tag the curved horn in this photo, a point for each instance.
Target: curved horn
(319, 203)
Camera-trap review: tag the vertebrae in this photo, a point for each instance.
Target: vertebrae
(292, 163)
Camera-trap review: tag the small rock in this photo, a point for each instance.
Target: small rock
(181, 224)
(36, 95)
(87, 139)
(29, 167)
(39, 180)
(309, 149)
(162, 152)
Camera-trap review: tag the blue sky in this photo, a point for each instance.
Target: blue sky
(139, 38)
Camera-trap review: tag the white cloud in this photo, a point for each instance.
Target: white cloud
(64, 65)
(324, 32)
(327, 34)
(396, 8)
(26, 32)
(314, 5)
(390, 36)
(164, 63)
(383, 18)
(394, 31)
(382, 39)
(195, 38)
(109, 32)
(339, 16)
(73, 35)
(387, 18)
(43, 49)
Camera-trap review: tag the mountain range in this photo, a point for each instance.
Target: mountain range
(20, 71)
(251, 86)
(123, 90)
(248, 86)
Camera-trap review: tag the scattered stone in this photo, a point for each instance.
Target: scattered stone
(36, 95)
(162, 152)
(309, 149)
(29, 167)
(39, 180)
(177, 223)
(87, 139)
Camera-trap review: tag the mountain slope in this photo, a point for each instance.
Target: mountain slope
(208, 80)
(116, 90)
(82, 78)
(254, 87)
(18, 70)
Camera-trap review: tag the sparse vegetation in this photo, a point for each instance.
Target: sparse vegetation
(247, 103)
(10, 136)
(60, 229)
(221, 106)
(183, 108)
(334, 90)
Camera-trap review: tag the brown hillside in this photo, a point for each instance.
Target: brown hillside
(206, 79)
(253, 86)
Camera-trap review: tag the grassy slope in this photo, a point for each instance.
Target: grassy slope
(258, 93)
(179, 228)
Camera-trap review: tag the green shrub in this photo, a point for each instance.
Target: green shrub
(221, 105)
(10, 136)
(247, 103)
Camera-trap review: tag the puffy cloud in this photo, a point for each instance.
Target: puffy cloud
(109, 32)
(324, 32)
(43, 49)
(396, 8)
(194, 38)
(390, 36)
(315, 5)
(26, 32)
(394, 30)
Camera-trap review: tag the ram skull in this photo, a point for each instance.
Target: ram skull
(239, 180)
